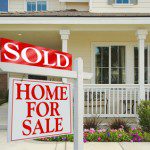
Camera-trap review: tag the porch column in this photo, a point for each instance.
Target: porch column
(64, 37)
(141, 36)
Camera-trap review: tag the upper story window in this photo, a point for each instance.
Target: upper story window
(122, 1)
(41, 6)
(36, 5)
(3, 5)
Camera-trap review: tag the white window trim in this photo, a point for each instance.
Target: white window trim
(25, 4)
(122, 4)
(109, 44)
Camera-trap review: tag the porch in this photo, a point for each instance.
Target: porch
(113, 100)
(103, 97)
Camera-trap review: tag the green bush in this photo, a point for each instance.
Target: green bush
(119, 123)
(144, 115)
(147, 137)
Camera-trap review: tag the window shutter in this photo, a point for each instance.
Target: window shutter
(135, 2)
(110, 2)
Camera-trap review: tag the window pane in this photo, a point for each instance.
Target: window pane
(136, 55)
(136, 65)
(102, 65)
(118, 56)
(146, 75)
(117, 64)
(117, 76)
(125, 1)
(114, 76)
(31, 6)
(114, 56)
(136, 76)
(119, 1)
(41, 6)
(102, 76)
(3, 5)
(122, 1)
(102, 56)
(121, 56)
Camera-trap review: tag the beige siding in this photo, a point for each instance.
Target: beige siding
(80, 44)
(55, 5)
(20, 5)
(16, 5)
(101, 6)
(78, 6)
(52, 5)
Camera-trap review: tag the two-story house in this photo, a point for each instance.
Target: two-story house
(112, 37)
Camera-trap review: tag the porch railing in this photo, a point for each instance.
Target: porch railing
(112, 100)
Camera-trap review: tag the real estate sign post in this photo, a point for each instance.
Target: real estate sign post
(37, 107)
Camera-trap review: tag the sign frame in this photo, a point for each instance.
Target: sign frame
(78, 75)
(11, 108)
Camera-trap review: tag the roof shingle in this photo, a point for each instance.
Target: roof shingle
(70, 13)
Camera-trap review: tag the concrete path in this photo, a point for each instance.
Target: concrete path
(38, 145)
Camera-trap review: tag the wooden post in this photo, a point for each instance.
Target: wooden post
(78, 105)
(141, 35)
(64, 37)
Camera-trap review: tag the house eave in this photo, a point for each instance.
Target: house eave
(76, 20)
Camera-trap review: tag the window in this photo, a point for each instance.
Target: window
(136, 65)
(36, 5)
(31, 6)
(41, 6)
(110, 65)
(122, 1)
(3, 5)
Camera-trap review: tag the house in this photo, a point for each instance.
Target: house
(112, 37)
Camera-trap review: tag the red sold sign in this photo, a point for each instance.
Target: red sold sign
(27, 54)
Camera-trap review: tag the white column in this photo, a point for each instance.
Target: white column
(64, 37)
(141, 35)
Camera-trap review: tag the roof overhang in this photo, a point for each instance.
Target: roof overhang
(76, 20)
(79, 1)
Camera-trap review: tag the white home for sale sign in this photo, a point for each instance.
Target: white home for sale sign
(38, 108)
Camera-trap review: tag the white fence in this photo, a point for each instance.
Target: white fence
(112, 100)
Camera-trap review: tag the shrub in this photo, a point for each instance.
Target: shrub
(147, 137)
(93, 122)
(119, 123)
(144, 115)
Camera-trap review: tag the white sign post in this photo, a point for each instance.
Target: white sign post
(78, 105)
(78, 77)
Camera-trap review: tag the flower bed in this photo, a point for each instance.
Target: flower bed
(103, 135)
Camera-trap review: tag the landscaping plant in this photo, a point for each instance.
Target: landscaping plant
(144, 115)
(119, 123)
(103, 135)
(92, 122)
